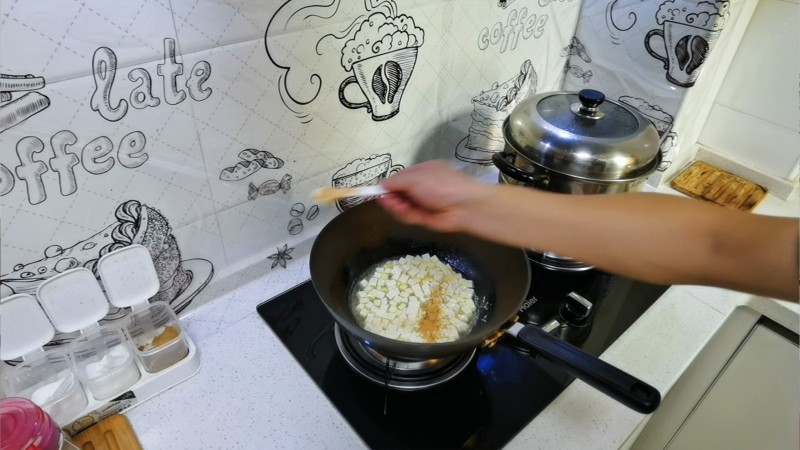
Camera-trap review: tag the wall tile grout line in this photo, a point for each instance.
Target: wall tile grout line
(120, 28)
(199, 140)
(235, 14)
(8, 14)
(48, 38)
(133, 20)
(30, 211)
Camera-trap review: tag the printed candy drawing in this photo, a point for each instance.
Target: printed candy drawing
(578, 72)
(575, 47)
(269, 187)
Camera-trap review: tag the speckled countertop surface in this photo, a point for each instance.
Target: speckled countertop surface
(251, 394)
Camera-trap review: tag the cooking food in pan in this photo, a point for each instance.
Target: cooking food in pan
(366, 235)
(415, 299)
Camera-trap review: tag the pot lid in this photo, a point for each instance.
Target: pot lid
(584, 135)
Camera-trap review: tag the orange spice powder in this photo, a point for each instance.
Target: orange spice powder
(430, 324)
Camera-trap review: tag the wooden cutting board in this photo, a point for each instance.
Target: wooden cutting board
(706, 182)
(112, 433)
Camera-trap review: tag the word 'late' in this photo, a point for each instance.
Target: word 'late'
(104, 64)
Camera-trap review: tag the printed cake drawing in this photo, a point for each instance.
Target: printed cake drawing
(136, 223)
(490, 109)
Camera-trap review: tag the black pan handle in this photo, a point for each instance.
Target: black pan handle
(617, 384)
(510, 170)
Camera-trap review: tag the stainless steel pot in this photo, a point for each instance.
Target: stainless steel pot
(577, 143)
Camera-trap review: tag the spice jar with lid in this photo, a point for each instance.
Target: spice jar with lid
(48, 378)
(130, 279)
(102, 356)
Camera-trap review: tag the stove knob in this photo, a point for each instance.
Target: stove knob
(576, 310)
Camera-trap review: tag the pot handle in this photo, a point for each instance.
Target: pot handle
(510, 170)
(615, 383)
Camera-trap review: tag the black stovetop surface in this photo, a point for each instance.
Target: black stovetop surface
(487, 404)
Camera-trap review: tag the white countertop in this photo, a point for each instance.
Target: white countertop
(250, 393)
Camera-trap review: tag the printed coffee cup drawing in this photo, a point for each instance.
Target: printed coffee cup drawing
(363, 172)
(688, 35)
(382, 79)
(687, 48)
(381, 56)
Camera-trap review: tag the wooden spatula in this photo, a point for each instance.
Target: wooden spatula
(330, 195)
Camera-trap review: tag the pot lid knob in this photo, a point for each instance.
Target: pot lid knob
(590, 98)
(590, 102)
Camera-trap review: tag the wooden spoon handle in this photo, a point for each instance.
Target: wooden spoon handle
(330, 195)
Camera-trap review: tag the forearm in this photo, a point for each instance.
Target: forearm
(657, 238)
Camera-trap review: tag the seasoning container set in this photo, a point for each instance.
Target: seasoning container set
(81, 383)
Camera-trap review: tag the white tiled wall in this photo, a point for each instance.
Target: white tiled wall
(191, 139)
(756, 117)
(630, 51)
(469, 46)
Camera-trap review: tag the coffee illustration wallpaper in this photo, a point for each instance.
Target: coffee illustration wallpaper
(669, 43)
(198, 128)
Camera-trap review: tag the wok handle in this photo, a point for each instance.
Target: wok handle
(615, 383)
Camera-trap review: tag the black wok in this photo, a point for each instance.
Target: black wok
(366, 235)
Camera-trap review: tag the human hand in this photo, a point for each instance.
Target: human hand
(433, 195)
